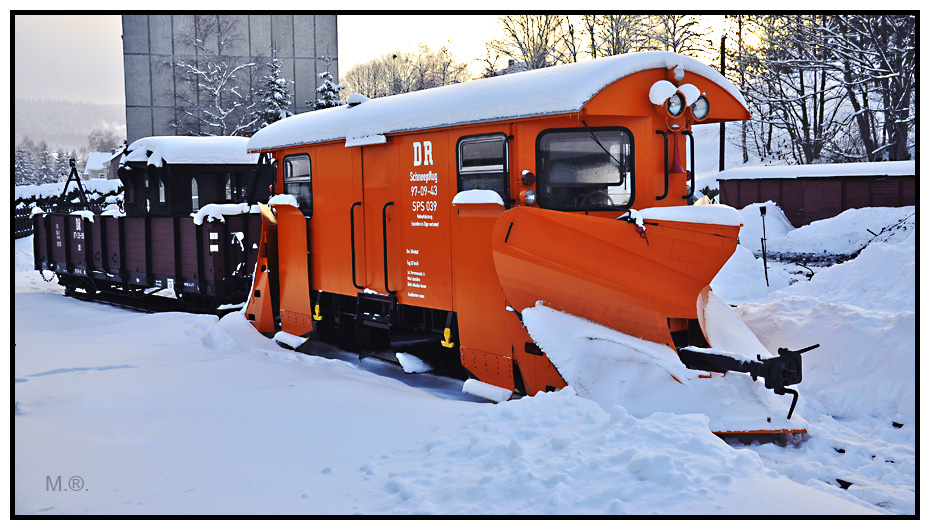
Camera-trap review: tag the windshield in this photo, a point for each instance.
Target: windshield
(585, 169)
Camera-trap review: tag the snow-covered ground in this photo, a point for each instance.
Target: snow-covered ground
(176, 413)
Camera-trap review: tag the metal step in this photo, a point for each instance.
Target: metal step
(375, 310)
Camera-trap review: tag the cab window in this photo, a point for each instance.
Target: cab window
(483, 164)
(297, 181)
(585, 169)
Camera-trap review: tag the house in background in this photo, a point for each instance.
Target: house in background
(812, 192)
(102, 165)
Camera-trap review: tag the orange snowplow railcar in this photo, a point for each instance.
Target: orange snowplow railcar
(428, 221)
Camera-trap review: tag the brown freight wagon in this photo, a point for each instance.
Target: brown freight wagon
(812, 192)
(185, 226)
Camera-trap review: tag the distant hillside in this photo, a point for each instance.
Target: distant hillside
(65, 123)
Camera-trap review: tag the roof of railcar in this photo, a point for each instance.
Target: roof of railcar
(155, 150)
(549, 91)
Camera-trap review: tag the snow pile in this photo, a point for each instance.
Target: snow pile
(215, 212)
(616, 369)
(23, 257)
(557, 453)
(285, 199)
(718, 214)
(776, 225)
(486, 391)
(844, 234)
(863, 313)
(412, 364)
(742, 278)
(477, 197)
(660, 91)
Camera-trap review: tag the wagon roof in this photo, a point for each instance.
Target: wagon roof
(848, 169)
(154, 150)
(548, 91)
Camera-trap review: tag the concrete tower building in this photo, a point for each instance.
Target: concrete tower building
(158, 97)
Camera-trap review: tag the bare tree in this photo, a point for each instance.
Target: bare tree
(399, 72)
(615, 34)
(677, 33)
(218, 99)
(102, 140)
(533, 41)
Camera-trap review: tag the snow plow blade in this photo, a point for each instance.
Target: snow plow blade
(606, 270)
(642, 275)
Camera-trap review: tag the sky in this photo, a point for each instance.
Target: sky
(79, 57)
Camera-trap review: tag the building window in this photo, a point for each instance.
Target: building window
(297, 181)
(585, 169)
(195, 195)
(483, 164)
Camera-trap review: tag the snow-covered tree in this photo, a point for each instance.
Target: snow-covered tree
(216, 98)
(45, 164)
(24, 166)
(62, 166)
(876, 62)
(327, 94)
(275, 98)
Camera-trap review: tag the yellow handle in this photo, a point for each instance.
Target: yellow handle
(316, 313)
(447, 334)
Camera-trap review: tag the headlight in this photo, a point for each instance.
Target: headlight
(700, 108)
(529, 196)
(676, 104)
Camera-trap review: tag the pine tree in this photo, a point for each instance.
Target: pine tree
(62, 166)
(23, 166)
(327, 94)
(275, 98)
(45, 170)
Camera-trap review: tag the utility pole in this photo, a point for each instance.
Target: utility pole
(723, 128)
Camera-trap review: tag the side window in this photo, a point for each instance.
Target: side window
(229, 187)
(483, 164)
(195, 195)
(297, 181)
(131, 192)
(161, 191)
(585, 169)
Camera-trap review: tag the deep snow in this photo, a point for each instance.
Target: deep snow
(190, 414)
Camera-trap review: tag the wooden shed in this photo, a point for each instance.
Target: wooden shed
(808, 193)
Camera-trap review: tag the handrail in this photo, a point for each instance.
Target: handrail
(664, 137)
(352, 238)
(691, 193)
(384, 239)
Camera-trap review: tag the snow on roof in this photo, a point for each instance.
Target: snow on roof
(190, 150)
(98, 160)
(556, 90)
(852, 169)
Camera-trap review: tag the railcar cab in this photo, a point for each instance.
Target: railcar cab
(170, 176)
